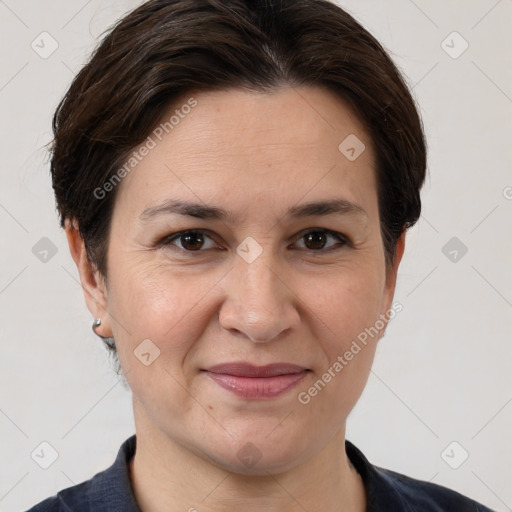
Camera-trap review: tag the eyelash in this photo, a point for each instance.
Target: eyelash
(343, 241)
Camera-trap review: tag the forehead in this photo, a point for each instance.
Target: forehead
(254, 148)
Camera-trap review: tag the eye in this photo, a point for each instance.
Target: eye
(191, 240)
(316, 239)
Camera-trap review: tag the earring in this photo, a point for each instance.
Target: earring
(109, 341)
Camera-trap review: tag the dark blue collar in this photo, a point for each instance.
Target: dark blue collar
(386, 491)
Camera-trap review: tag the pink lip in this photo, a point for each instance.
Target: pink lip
(257, 382)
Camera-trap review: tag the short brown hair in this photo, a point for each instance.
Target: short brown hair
(166, 48)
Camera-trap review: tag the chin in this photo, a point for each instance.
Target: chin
(254, 462)
(260, 453)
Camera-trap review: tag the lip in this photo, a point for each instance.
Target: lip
(243, 369)
(256, 382)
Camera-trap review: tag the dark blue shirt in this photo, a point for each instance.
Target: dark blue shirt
(386, 491)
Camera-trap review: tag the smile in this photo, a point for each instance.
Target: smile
(252, 382)
(257, 387)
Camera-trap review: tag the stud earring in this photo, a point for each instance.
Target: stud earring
(109, 341)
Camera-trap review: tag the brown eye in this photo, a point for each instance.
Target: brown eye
(191, 240)
(316, 240)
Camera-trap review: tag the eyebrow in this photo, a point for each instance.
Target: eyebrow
(202, 211)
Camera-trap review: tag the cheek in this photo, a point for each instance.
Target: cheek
(149, 303)
(168, 306)
(346, 312)
(348, 302)
(152, 302)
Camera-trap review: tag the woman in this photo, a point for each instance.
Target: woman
(236, 179)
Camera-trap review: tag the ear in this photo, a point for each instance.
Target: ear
(93, 282)
(391, 272)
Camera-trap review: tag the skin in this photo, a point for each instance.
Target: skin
(256, 155)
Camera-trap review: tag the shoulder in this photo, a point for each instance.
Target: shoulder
(49, 505)
(72, 499)
(107, 491)
(388, 490)
(426, 496)
(91, 495)
(60, 502)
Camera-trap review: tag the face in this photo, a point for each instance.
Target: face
(249, 275)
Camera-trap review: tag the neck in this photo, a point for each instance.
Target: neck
(167, 476)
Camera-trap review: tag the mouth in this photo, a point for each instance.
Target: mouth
(257, 382)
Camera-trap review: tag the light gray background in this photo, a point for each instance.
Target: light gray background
(443, 371)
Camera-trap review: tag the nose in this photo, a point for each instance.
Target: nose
(260, 303)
